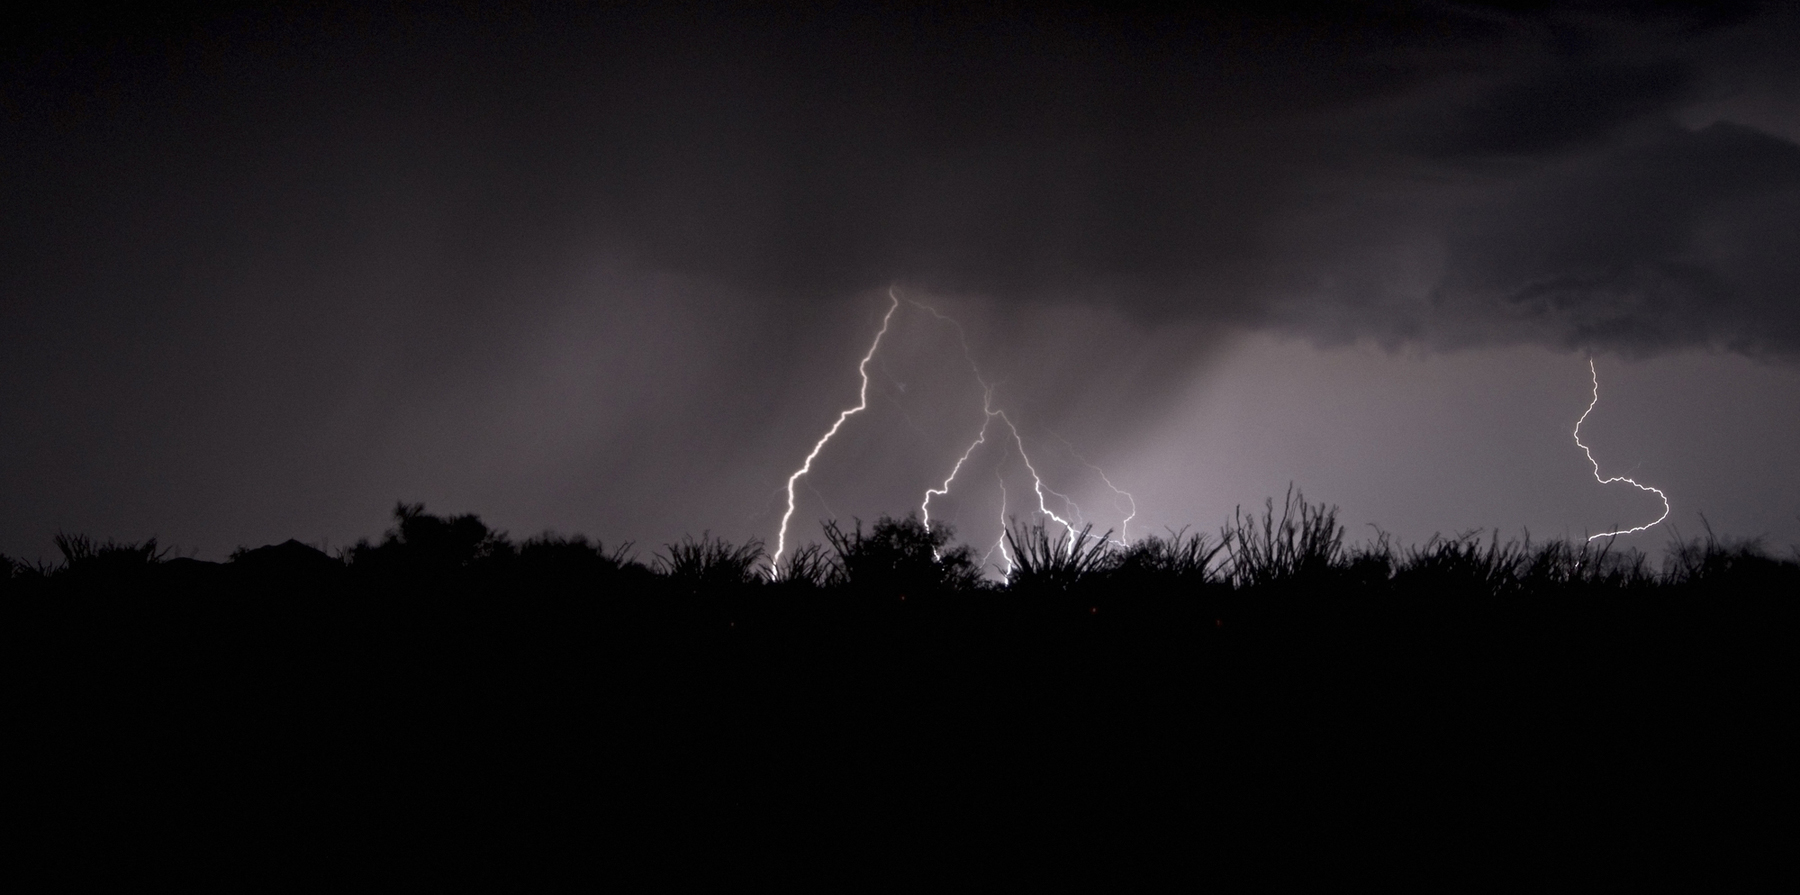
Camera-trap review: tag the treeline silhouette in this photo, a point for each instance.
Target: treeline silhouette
(447, 684)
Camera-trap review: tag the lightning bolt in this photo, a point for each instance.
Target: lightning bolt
(1069, 504)
(1000, 542)
(989, 414)
(980, 439)
(1618, 478)
(1037, 484)
(1125, 526)
(987, 407)
(862, 403)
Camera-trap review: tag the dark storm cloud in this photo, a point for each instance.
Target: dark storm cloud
(1564, 106)
(1687, 239)
(1174, 167)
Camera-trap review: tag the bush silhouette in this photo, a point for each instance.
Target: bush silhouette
(558, 563)
(1180, 560)
(903, 556)
(423, 544)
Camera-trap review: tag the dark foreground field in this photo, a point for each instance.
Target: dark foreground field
(1465, 713)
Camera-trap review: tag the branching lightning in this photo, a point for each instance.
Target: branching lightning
(862, 403)
(1125, 526)
(980, 439)
(1000, 542)
(1618, 478)
(990, 413)
(1037, 484)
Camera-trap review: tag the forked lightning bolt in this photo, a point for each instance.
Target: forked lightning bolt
(989, 414)
(1000, 542)
(980, 439)
(1037, 485)
(862, 403)
(1125, 526)
(987, 394)
(1617, 478)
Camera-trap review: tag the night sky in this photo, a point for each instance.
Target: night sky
(265, 273)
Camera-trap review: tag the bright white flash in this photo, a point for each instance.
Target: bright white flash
(862, 403)
(1617, 478)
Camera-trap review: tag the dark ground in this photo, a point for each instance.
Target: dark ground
(293, 712)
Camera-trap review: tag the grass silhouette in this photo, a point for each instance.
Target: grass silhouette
(1040, 564)
(711, 563)
(1296, 547)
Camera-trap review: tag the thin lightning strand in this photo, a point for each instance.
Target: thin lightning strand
(1618, 478)
(829, 512)
(1037, 481)
(1125, 526)
(1037, 484)
(1000, 542)
(980, 439)
(862, 403)
(1069, 505)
